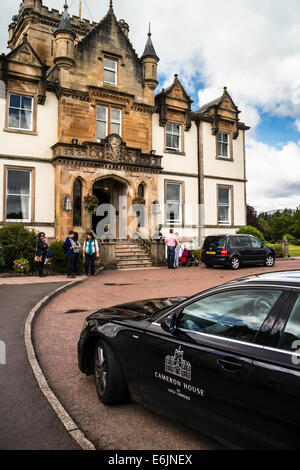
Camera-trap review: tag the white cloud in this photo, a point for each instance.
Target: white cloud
(273, 175)
(250, 46)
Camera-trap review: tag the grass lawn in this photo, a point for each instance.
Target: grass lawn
(294, 250)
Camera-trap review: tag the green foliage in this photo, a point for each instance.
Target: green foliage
(58, 262)
(2, 257)
(17, 242)
(279, 223)
(291, 240)
(279, 253)
(196, 254)
(249, 230)
(21, 265)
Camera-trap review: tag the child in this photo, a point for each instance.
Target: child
(90, 251)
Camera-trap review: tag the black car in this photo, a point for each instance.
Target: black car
(235, 250)
(225, 362)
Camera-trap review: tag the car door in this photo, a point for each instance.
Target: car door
(258, 252)
(199, 374)
(275, 376)
(245, 249)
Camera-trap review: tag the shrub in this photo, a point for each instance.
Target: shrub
(249, 230)
(21, 265)
(58, 262)
(279, 253)
(196, 254)
(18, 242)
(2, 257)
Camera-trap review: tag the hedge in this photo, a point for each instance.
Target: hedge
(17, 241)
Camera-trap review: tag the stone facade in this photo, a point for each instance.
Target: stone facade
(106, 131)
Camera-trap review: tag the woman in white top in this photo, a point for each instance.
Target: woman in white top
(177, 250)
(90, 252)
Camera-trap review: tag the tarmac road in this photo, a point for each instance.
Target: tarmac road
(27, 421)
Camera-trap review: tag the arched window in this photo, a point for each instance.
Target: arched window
(141, 190)
(77, 203)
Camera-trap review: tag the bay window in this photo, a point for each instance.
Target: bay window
(223, 145)
(174, 203)
(224, 205)
(173, 137)
(18, 195)
(109, 121)
(20, 112)
(110, 71)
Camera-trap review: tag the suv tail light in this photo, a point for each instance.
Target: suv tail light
(224, 252)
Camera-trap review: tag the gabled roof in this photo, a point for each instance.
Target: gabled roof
(26, 47)
(206, 107)
(176, 82)
(110, 16)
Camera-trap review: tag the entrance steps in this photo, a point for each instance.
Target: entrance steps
(129, 255)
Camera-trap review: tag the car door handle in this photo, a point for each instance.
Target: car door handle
(230, 366)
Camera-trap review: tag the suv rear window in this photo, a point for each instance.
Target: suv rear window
(214, 242)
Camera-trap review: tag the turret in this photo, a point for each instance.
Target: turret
(65, 39)
(150, 61)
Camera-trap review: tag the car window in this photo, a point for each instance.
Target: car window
(236, 314)
(245, 242)
(291, 334)
(255, 242)
(214, 242)
(234, 242)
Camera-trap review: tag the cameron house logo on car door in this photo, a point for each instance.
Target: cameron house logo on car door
(176, 365)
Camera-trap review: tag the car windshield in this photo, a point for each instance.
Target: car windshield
(214, 242)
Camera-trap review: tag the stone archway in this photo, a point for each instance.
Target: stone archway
(114, 191)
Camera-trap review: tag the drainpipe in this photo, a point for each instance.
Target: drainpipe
(199, 181)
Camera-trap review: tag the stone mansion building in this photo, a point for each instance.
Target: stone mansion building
(79, 115)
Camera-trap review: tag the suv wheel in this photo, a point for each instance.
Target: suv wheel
(270, 261)
(235, 263)
(109, 377)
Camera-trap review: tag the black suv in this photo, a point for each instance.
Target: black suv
(234, 250)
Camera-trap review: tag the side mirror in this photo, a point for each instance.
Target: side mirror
(169, 324)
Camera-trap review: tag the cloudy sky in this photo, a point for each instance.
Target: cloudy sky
(251, 46)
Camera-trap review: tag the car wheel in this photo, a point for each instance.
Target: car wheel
(235, 263)
(208, 265)
(270, 261)
(109, 377)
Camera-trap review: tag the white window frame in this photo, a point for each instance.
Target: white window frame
(20, 109)
(220, 140)
(100, 120)
(11, 194)
(169, 202)
(112, 121)
(110, 69)
(173, 134)
(221, 222)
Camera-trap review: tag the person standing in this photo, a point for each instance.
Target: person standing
(76, 250)
(177, 251)
(171, 244)
(69, 248)
(90, 251)
(41, 252)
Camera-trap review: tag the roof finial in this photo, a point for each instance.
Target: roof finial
(149, 34)
(66, 5)
(111, 5)
(225, 89)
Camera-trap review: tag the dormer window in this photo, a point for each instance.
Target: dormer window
(223, 145)
(173, 137)
(110, 71)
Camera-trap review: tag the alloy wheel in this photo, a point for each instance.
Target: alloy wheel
(235, 263)
(101, 371)
(270, 261)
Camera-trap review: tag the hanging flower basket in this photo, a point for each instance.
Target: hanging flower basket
(91, 203)
(139, 200)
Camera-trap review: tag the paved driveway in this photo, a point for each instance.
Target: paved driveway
(27, 422)
(56, 334)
